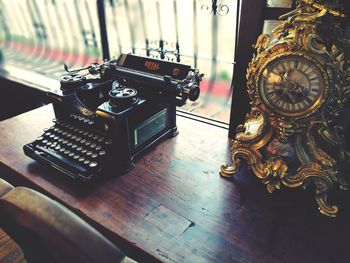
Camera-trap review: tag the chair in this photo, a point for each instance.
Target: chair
(48, 232)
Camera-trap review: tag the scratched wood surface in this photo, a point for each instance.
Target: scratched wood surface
(174, 207)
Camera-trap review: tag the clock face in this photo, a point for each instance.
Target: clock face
(292, 86)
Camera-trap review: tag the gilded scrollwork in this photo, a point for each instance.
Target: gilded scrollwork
(294, 145)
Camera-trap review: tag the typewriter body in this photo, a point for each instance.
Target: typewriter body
(111, 114)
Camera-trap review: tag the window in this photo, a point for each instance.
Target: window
(41, 35)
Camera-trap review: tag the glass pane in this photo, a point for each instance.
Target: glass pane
(279, 3)
(41, 35)
(191, 31)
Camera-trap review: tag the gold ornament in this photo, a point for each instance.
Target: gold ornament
(298, 83)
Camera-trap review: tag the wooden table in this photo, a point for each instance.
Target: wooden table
(174, 207)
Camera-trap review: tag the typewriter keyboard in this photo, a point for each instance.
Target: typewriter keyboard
(73, 150)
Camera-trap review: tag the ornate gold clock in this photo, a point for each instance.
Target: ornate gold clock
(298, 83)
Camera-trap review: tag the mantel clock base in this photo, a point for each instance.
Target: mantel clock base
(298, 83)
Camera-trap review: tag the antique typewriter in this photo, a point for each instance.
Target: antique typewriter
(108, 114)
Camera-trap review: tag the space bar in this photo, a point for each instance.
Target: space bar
(62, 159)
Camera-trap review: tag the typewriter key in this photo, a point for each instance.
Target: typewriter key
(101, 139)
(83, 151)
(95, 137)
(45, 130)
(69, 135)
(89, 153)
(48, 143)
(93, 145)
(77, 156)
(91, 122)
(65, 141)
(57, 147)
(74, 146)
(81, 159)
(62, 150)
(79, 148)
(86, 161)
(83, 141)
(52, 135)
(45, 141)
(60, 140)
(47, 133)
(56, 137)
(71, 154)
(98, 147)
(87, 143)
(102, 152)
(93, 164)
(66, 152)
(94, 155)
(39, 138)
(64, 133)
(74, 137)
(108, 141)
(69, 144)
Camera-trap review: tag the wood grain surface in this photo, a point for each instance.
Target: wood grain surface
(174, 207)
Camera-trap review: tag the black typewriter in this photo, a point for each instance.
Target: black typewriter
(107, 114)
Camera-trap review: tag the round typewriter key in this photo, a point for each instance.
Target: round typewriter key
(77, 156)
(101, 139)
(79, 148)
(75, 129)
(69, 144)
(80, 131)
(89, 153)
(74, 146)
(56, 129)
(66, 152)
(45, 141)
(87, 143)
(93, 145)
(108, 142)
(48, 143)
(102, 152)
(60, 140)
(94, 155)
(93, 164)
(56, 137)
(52, 135)
(95, 137)
(74, 137)
(83, 151)
(90, 135)
(65, 141)
(71, 154)
(62, 150)
(39, 138)
(86, 161)
(81, 159)
(91, 122)
(47, 133)
(85, 133)
(54, 144)
(64, 133)
(98, 147)
(45, 130)
(69, 135)
(86, 120)
(83, 141)
(57, 147)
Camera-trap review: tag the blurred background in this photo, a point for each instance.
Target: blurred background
(41, 35)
